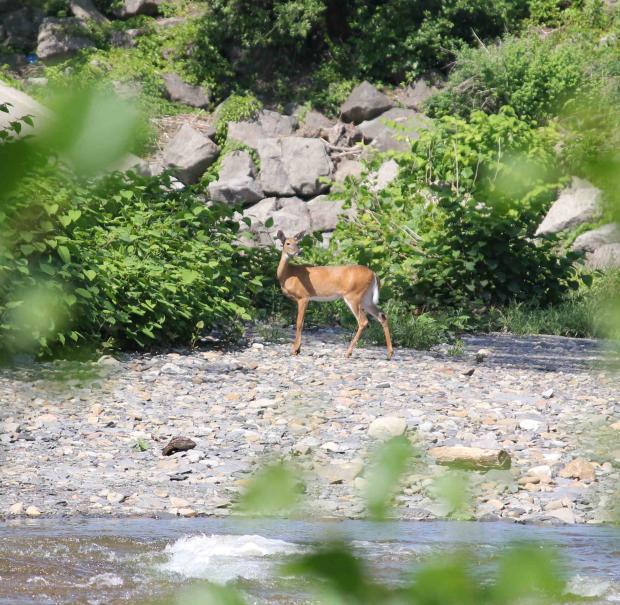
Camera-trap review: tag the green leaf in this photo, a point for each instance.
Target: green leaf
(64, 254)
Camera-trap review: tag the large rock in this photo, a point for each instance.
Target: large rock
(386, 173)
(578, 204)
(289, 214)
(324, 213)
(189, 153)
(394, 129)
(19, 28)
(594, 239)
(268, 124)
(605, 257)
(22, 105)
(579, 468)
(294, 165)
(60, 38)
(364, 103)
(131, 8)
(342, 135)
(341, 472)
(237, 180)
(313, 123)
(348, 168)
(416, 95)
(85, 10)
(181, 92)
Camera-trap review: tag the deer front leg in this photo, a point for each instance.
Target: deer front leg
(302, 305)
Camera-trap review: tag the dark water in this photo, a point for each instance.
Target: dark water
(107, 561)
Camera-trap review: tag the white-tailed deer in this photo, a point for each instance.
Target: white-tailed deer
(357, 285)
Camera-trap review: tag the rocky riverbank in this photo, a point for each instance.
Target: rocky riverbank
(87, 439)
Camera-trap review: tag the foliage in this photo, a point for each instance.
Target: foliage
(537, 75)
(586, 313)
(125, 259)
(455, 228)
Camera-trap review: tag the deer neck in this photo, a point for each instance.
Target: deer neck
(284, 268)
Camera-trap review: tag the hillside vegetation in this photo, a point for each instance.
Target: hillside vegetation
(526, 97)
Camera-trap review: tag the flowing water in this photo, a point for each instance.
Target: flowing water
(107, 561)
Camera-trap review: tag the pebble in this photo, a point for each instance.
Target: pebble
(72, 444)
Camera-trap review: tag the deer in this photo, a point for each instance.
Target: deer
(357, 285)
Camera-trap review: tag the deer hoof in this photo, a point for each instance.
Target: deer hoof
(294, 351)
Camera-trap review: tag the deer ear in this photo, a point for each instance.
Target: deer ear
(281, 236)
(300, 235)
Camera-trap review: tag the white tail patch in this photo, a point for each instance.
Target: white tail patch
(375, 290)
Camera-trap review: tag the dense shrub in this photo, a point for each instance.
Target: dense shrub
(124, 260)
(259, 44)
(536, 73)
(455, 228)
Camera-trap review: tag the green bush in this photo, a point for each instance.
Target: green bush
(123, 260)
(456, 227)
(536, 75)
(277, 45)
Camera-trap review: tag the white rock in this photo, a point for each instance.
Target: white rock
(385, 427)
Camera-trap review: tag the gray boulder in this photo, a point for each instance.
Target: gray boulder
(578, 204)
(342, 135)
(181, 92)
(22, 105)
(85, 10)
(60, 38)
(594, 239)
(237, 180)
(189, 153)
(268, 124)
(131, 8)
(364, 103)
(324, 213)
(294, 165)
(415, 95)
(313, 123)
(605, 257)
(388, 131)
(348, 168)
(290, 214)
(19, 28)
(387, 172)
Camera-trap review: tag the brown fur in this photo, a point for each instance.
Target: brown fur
(353, 283)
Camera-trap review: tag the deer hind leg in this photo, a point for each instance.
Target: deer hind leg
(370, 306)
(302, 305)
(362, 322)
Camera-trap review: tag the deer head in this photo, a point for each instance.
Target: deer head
(290, 245)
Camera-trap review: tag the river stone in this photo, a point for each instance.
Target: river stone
(313, 123)
(61, 38)
(189, 153)
(16, 509)
(237, 180)
(293, 166)
(579, 468)
(33, 511)
(594, 239)
(578, 204)
(364, 103)
(605, 257)
(386, 173)
(386, 427)
(341, 472)
(182, 92)
(178, 444)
